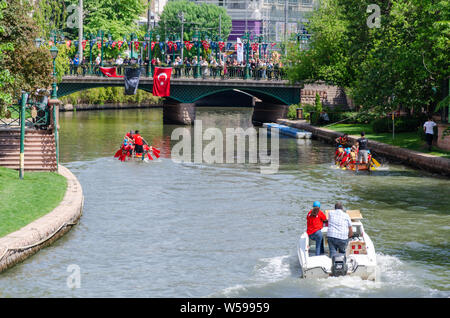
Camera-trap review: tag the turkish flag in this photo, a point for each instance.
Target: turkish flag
(161, 81)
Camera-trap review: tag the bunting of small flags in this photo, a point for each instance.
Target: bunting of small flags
(205, 44)
(188, 45)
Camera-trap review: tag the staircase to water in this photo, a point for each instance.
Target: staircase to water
(40, 149)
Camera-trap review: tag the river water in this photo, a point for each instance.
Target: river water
(168, 229)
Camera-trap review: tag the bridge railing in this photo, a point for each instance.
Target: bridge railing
(191, 71)
(37, 115)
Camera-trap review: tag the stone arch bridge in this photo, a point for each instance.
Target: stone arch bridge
(275, 95)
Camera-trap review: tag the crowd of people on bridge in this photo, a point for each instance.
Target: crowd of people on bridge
(266, 67)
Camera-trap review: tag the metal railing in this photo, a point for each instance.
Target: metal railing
(190, 71)
(37, 115)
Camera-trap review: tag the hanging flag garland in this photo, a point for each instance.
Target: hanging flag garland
(113, 45)
(205, 44)
(221, 45)
(119, 44)
(152, 46)
(188, 45)
(169, 45)
(255, 47)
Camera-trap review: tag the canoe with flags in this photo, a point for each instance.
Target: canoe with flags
(129, 151)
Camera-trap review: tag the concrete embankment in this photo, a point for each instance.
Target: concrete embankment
(19, 245)
(412, 158)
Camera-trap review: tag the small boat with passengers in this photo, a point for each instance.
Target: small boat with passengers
(359, 259)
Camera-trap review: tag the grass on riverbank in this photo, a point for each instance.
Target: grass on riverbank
(408, 140)
(23, 201)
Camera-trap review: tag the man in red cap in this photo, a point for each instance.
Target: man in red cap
(314, 224)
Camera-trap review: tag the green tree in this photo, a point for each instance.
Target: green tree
(50, 15)
(5, 76)
(29, 66)
(203, 17)
(395, 65)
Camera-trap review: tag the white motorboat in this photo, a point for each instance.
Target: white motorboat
(359, 259)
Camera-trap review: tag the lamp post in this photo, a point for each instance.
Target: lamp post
(181, 16)
(100, 36)
(196, 39)
(148, 39)
(38, 42)
(166, 40)
(133, 39)
(173, 48)
(247, 43)
(157, 40)
(207, 40)
(260, 40)
(54, 53)
(91, 44)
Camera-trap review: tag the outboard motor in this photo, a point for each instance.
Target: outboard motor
(339, 265)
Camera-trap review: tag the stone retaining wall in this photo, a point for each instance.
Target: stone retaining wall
(412, 158)
(19, 245)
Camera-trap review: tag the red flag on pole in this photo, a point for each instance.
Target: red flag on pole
(109, 71)
(161, 81)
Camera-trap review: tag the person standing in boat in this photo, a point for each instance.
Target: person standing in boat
(314, 224)
(339, 230)
(138, 143)
(363, 150)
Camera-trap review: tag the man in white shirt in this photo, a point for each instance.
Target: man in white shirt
(339, 229)
(428, 127)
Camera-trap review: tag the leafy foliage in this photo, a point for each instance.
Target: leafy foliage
(395, 65)
(204, 17)
(30, 67)
(5, 76)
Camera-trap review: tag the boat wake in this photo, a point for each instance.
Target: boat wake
(279, 277)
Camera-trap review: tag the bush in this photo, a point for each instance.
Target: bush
(292, 112)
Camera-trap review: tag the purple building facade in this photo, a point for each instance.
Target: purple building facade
(238, 28)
